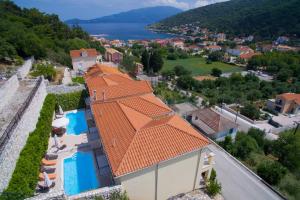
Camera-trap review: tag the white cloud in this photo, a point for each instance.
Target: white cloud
(201, 3)
(174, 3)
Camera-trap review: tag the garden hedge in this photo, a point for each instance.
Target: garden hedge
(25, 176)
(71, 101)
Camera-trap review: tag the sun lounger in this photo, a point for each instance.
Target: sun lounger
(42, 187)
(51, 176)
(48, 170)
(48, 162)
(51, 156)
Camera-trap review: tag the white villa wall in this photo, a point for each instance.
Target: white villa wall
(19, 137)
(174, 176)
(86, 62)
(8, 89)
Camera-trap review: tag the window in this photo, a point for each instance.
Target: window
(231, 131)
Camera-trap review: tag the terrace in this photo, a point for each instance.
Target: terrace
(80, 162)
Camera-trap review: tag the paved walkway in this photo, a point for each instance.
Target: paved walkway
(237, 182)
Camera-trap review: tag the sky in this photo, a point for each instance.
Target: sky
(89, 9)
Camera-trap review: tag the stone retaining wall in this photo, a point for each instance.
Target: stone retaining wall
(62, 89)
(19, 137)
(103, 192)
(8, 89)
(23, 71)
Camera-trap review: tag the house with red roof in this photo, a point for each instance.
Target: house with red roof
(213, 124)
(152, 153)
(82, 59)
(287, 103)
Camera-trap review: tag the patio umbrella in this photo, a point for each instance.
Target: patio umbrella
(56, 142)
(60, 110)
(47, 182)
(61, 122)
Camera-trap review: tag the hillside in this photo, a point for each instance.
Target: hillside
(265, 18)
(29, 32)
(143, 15)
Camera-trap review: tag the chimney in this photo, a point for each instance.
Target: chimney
(94, 95)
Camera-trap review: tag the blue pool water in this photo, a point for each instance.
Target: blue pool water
(80, 173)
(77, 123)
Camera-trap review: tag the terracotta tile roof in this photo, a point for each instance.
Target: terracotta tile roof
(290, 97)
(78, 53)
(114, 85)
(248, 55)
(112, 51)
(134, 140)
(102, 69)
(213, 120)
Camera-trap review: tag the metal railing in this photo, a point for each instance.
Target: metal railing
(14, 122)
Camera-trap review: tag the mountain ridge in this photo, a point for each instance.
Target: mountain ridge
(265, 18)
(141, 15)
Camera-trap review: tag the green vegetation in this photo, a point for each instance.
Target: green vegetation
(264, 18)
(199, 66)
(170, 96)
(277, 162)
(152, 61)
(216, 72)
(71, 101)
(213, 186)
(78, 79)
(283, 66)
(29, 32)
(46, 70)
(250, 111)
(25, 176)
(115, 196)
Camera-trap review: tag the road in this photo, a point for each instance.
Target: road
(237, 182)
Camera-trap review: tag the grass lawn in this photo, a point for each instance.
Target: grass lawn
(198, 66)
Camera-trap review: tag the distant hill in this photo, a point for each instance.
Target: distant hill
(265, 18)
(142, 15)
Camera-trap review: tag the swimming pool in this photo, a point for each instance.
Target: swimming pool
(77, 123)
(80, 173)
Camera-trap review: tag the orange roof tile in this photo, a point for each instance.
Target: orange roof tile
(290, 97)
(102, 69)
(133, 141)
(78, 53)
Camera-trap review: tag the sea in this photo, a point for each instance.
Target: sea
(123, 31)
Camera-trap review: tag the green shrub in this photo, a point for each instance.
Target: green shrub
(213, 187)
(213, 175)
(119, 196)
(271, 171)
(47, 70)
(71, 101)
(78, 80)
(25, 176)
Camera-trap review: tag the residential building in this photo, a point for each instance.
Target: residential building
(248, 56)
(113, 55)
(287, 103)
(213, 48)
(220, 37)
(152, 152)
(213, 124)
(139, 69)
(84, 58)
(178, 44)
(282, 40)
(285, 48)
(239, 50)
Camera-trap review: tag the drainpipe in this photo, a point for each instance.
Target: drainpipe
(156, 180)
(197, 169)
